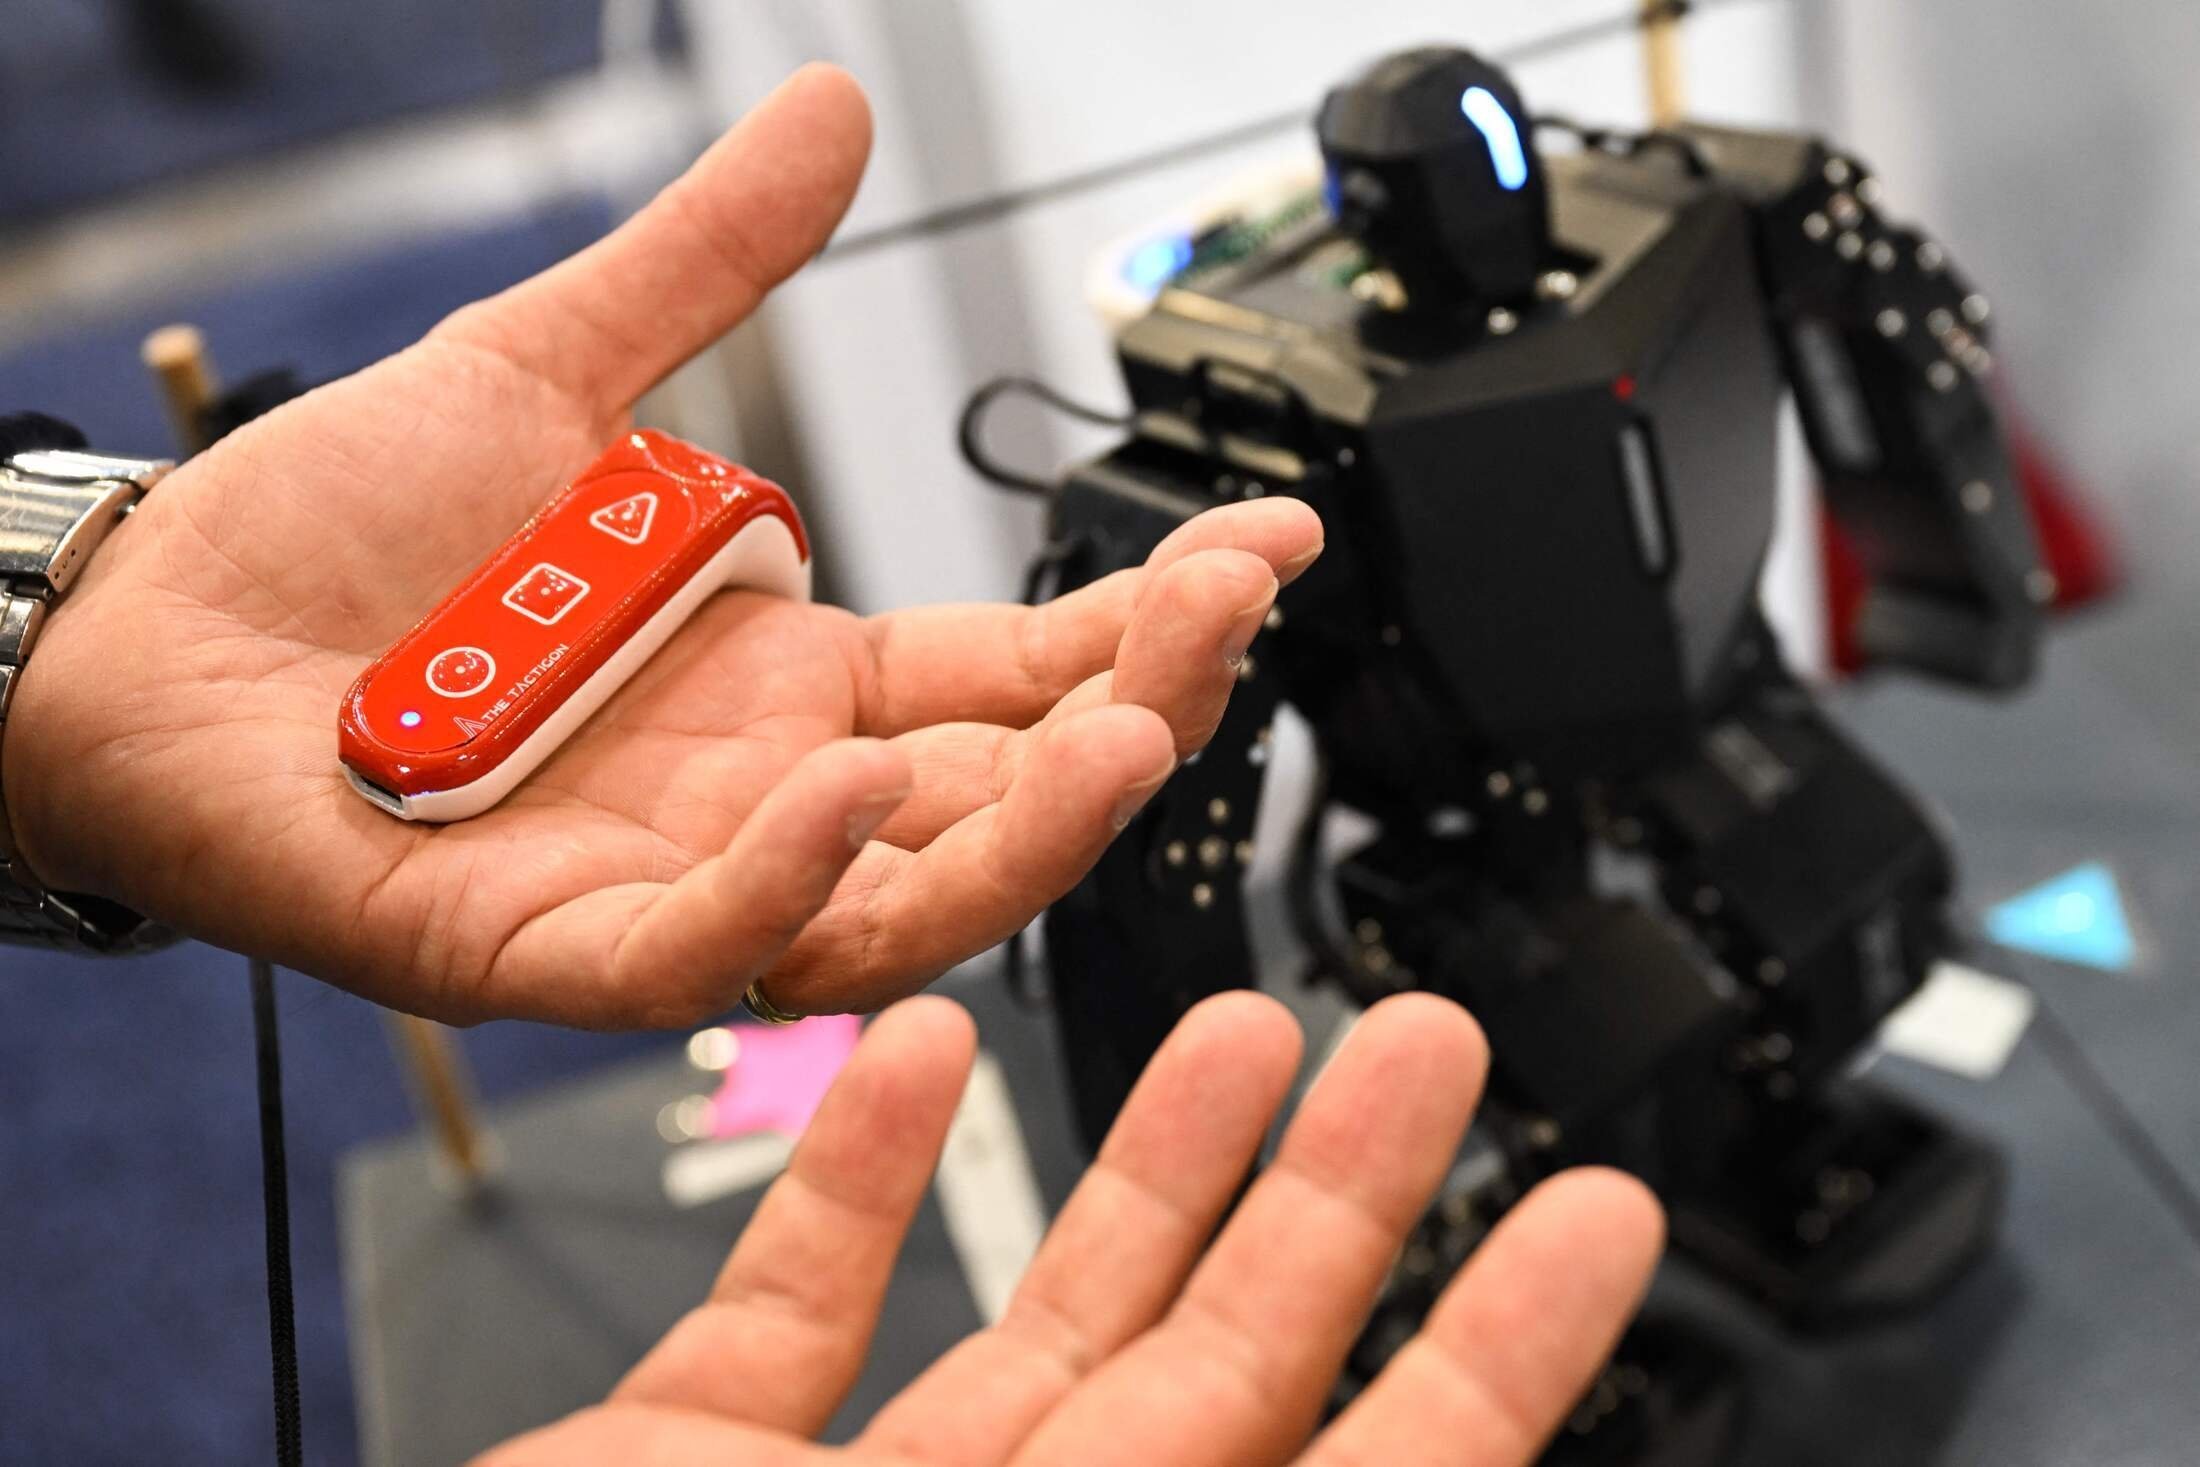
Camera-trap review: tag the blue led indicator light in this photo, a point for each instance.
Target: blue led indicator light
(1499, 131)
(410, 718)
(2077, 917)
(1158, 261)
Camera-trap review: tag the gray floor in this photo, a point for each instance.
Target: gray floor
(2077, 1340)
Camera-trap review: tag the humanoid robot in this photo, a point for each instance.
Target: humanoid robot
(1534, 397)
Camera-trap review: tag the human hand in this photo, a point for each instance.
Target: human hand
(1133, 1338)
(844, 806)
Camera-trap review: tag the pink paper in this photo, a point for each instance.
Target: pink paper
(781, 1074)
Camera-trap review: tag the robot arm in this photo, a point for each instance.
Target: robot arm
(1159, 923)
(1886, 346)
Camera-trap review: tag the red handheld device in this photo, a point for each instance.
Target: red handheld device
(445, 723)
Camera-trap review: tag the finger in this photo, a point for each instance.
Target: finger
(648, 1436)
(1008, 664)
(1124, 1241)
(616, 318)
(956, 770)
(902, 918)
(1178, 656)
(661, 955)
(1239, 1369)
(1516, 1338)
(785, 1330)
(1181, 652)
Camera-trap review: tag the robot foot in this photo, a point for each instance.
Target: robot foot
(1864, 1206)
(1671, 1397)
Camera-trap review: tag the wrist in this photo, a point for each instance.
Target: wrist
(60, 505)
(50, 894)
(21, 748)
(25, 600)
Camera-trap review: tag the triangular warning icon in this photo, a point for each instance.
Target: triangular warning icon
(2077, 917)
(471, 725)
(629, 520)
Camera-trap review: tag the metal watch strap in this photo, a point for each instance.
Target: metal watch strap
(56, 506)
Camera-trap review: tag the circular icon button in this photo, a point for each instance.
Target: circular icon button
(460, 672)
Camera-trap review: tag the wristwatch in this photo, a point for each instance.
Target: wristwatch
(57, 503)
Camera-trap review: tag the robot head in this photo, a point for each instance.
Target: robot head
(1432, 166)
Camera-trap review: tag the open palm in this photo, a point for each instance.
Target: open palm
(842, 806)
(1139, 1335)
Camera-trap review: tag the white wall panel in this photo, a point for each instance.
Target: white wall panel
(975, 97)
(881, 348)
(1746, 64)
(2057, 149)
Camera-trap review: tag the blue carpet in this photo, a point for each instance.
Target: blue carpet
(132, 1314)
(324, 322)
(105, 96)
(133, 1323)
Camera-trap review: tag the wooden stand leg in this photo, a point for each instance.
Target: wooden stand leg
(185, 374)
(444, 1095)
(1661, 54)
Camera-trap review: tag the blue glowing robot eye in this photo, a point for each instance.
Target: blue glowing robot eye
(410, 718)
(1158, 261)
(1499, 131)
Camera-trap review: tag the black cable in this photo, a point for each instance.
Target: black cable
(1625, 144)
(282, 1322)
(997, 206)
(2160, 1172)
(969, 435)
(1052, 558)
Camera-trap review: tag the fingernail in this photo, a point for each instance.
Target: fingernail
(1247, 626)
(866, 818)
(1290, 570)
(1135, 798)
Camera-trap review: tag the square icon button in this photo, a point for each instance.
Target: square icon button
(546, 594)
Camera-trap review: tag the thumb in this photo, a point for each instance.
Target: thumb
(607, 324)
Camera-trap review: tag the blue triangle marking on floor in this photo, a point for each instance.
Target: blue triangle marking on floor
(2077, 917)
